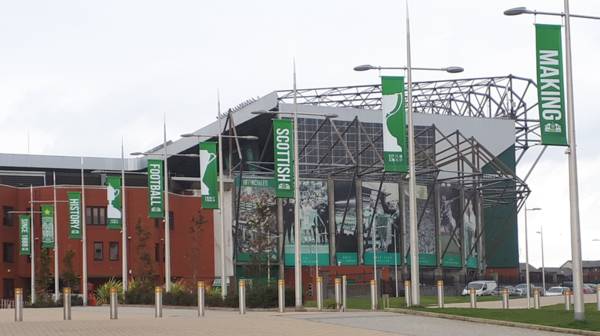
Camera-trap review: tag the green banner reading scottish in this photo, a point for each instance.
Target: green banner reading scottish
(156, 188)
(551, 102)
(395, 154)
(25, 234)
(209, 175)
(283, 146)
(47, 226)
(114, 198)
(74, 200)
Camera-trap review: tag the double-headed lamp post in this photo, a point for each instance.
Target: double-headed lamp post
(527, 256)
(412, 181)
(541, 233)
(579, 311)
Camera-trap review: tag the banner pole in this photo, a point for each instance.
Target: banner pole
(221, 206)
(32, 235)
(56, 277)
(84, 274)
(166, 213)
(124, 274)
(297, 199)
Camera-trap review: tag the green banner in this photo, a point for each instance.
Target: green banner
(47, 226)
(283, 147)
(74, 199)
(25, 234)
(156, 188)
(209, 175)
(551, 101)
(395, 154)
(114, 208)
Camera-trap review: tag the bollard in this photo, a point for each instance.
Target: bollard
(319, 293)
(568, 299)
(344, 290)
(440, 293)
(505, 298)
(473, 294)
(113, 304)
(407, 297)
(242, 294)
(66, 303)
(536, 298)
(158, 302)
(598, 297)
(201, 293)
(281, 294)
(373, 296)
(338, 294)
(18, 304)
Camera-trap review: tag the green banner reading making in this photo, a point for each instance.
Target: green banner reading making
(283, 146)
(114, 198)
(209, 175)
(47, 226)
(74, 199)
(156, 188)
(550, 83)
(395, 154)
(25, 235)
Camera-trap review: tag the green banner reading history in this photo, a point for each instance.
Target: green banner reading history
(47, 226)
(114, 198)
(209, 175)
(283, 146)
(156, 187)
(395, 155)
(25, 235)
(74, 200)
(550, 83)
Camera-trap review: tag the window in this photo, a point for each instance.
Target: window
(95, 215)
(7, 216)
(8, 252)
(98, 252)
(113, 251)
(157, 252)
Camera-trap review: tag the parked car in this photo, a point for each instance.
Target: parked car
(589, 288)
(482, 287)
(498, 290)
(521, 289)
(556, 291)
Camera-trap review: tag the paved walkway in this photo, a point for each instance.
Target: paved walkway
(522, 302)
(133, 321)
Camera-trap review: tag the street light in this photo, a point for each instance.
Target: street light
(527, 257)
(541, 233)
(366, 67)
(579, 311)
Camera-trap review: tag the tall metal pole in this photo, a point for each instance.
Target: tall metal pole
(84, 273)
(374, 244)
(167, 217)
(221, 205)
(31, 226)
(124, 272)
(297, 199)
(579, 311)
(396, 261)
(527, 261)
(56, 277)
(543, 266)
(412, 185)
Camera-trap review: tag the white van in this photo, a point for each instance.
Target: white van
(482, 287)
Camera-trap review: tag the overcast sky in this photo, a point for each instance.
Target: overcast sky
(79, 75)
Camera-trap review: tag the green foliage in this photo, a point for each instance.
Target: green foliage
(43, 276)
(139, 292)
(102, 293)
(146, 272)
(68, 276)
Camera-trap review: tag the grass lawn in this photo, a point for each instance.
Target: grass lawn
(554, 316)
(365, 302)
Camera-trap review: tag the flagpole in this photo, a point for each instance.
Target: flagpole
(123, 223)
(297, 240)
(56, 277)
(167, 216)
(221, 207)
(31, 226)
(84, 275)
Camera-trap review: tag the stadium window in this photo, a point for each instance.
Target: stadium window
(157, 252)
(98, 251)
(7, 216)
(113, 251)
(95, 215)
(8, 252)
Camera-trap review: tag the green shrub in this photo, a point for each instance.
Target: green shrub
(102, 293)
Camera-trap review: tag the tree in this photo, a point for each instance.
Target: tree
(146, 273)
(69, 277)
(263, 238)
(195, 231)
(43, 277)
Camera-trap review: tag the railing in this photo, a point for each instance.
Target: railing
(7, 303)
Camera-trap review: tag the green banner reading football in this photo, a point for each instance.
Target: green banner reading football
(395, 155)
(156, 188)
(209, 175)
(283, 146)
(25, 235)
(47, 226)
(551, 102)
(114, 198)
(74, 199)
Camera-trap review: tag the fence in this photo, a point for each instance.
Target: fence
(7, 303)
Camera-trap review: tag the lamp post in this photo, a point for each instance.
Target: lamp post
(413, 237)
(579, 311)
(527, 256)
(541, 233)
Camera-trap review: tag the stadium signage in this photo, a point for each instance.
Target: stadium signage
(395, 158)
(209, 175)
(47, 226)
(283, 145)
(551, 102)
(156, 187)
(114, 200)
(74, 201)
(24, 234)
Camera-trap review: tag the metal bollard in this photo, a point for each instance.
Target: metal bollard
(344, 292)
(505, 298)
(568, 299)
(201, 293)
(373, 296)
(407, 297)
(281, 294)
(18, 304)
(242, 295)
(319, 290)
(66, 303)
(158, 302)
(440, 293)
(338, 294)
(113, 304)
(536, 298)
(473, 294)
